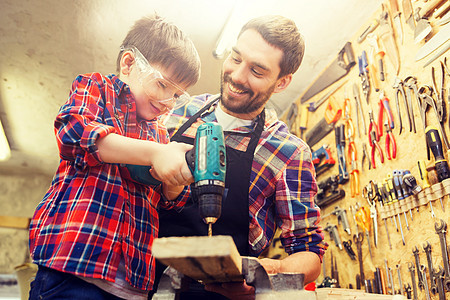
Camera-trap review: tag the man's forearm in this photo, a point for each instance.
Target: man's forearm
(304, 262)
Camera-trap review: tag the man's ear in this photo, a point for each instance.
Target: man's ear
(282, 83)
(126, 62)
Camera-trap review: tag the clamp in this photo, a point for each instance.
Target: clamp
(390, 140)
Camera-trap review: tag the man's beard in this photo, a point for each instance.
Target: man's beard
(254, 103)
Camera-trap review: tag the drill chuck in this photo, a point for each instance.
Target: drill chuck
(210, 199)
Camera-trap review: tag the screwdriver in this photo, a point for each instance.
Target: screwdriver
(380, 200)
(426, 184)
(391, 190)
(440, 163)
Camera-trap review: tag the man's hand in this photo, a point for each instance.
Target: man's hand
(233, 290)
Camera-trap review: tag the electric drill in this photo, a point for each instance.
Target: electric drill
(207, 162)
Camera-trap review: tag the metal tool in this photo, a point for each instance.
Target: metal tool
(359, 111)
(427, 249)
(363, 220)
(420, 279)
(390, 188)
(382, 201)
(425, 282)
(398, 86)
(441, 229)
(365, 156)
(358, 239)
(312, 106)
(376, 65)
(426, 184)
(440, 39)
(373, 25)
(423, 27)
(364, 75)
(439, 278)
(410, 83)
(348, 248)
(383, 106)
(336, 70)
(370, 196)
(396, 17)
(334, 234)
(340, 148)
(390, 141)
(388, 279)
(397, 267)
(440, 104)
(408, 13)
(397, 178)
(387, 36)
(413, 279)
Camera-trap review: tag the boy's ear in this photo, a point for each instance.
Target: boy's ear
(126, 62)
(283, 83)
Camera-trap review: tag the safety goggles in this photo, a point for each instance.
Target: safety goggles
(156, 85)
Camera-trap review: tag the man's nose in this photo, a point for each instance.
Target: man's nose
(239, 74)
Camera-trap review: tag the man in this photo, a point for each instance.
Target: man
(270, 179)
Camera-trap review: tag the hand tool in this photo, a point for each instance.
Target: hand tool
(334, 234)
(391, 278)
(354, 172)
(364, 75)
(420, 282)
(413, 279)
(397, 267)
(365, 156)
(440, 163)
(359, 111)
(425, 282)
(362, 216)
(387, 36)
(408, 290)
(425, 94)
(335, 71)
(332, 114)
(405, 190)
(397, 177)
(387, 198)
(410, 83)
(426, 184)
(441, 229)
(383, 106)
(358, 239)
(439, 277)
(408, 13)
(396, 17)
(348, 248)
(411, 182)
(390, 141)
(438, 13)
(423, 27)
(440, 39)
(328, 191)
(391, 191)
(374, 144)
(382, 201)
(376, 66)
(379, 281)
(441, 51)
(388, 281)
(322, 159)
(427, 249)
(312, 106)
(335, 273)
(373, 25)
(207, 162)
(371, 197)
(440, 104)
(340, 147)
(303, 119)
(398, 86)
(341, 215)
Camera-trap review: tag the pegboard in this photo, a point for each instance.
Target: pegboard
(411, 147)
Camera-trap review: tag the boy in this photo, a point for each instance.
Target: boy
(92, 233)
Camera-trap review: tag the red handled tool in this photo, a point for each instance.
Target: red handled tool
(390, 141)
(383, 106)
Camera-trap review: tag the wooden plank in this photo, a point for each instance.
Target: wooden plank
(14, 222)
(206, 259)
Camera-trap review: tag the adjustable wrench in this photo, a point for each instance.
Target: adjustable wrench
(441, 228)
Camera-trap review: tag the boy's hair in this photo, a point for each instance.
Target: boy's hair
(281, 33)
(164, 44)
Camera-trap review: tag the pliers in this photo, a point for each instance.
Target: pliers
(354, 172)
(440, 105)
(390, 140)
(383, 106)
(365, 155)
(374, 138)
(398, 86)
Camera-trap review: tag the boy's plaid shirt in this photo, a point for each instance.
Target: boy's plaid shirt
(94, 213)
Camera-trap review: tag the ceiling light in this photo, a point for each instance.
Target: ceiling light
(5, 151)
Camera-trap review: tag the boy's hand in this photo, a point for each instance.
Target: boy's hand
(169, 164)
(233, 290)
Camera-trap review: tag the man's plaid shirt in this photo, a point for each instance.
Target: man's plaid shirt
(282, 185)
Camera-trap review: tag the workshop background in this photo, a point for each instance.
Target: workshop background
(45, 44)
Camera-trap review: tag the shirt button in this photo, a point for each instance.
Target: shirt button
(120, 239)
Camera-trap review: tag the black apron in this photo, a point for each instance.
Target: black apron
(234, 220)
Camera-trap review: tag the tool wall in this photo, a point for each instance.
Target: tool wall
(384, 197)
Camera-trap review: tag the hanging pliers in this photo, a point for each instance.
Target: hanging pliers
(364, 74)
(440, 104)
(398, 86)
(374, 138)
(390, 141)
(383, 106)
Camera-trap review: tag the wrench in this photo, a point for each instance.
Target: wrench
(424, 274)
(427, 249)
(413, 279)
(397, 266)
(439, 277)
(419, 274)
(441, 229)
(358, 239)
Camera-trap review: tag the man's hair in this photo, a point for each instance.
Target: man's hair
(164, 44)
(281, 33)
